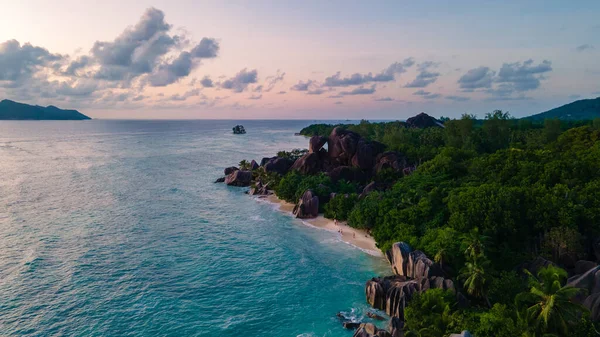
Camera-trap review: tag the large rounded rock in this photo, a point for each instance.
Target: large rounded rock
(239, 178)
(316, 143)
(590, 281)
(260, 189)
(265, 160)
(396, 327)
(592, 302)
(397, 256)
(308, 206)
(392, 293)
(370, 330)
(420, 266)
(254, 165)
(347, 173)
(230, 170)
(342, 145)
(422, 121)
(390, 160)
(310, 163)
(278, 165)
(583, 266)
(366, 154)
(412, 264)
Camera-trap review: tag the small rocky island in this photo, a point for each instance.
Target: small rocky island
(239, 130)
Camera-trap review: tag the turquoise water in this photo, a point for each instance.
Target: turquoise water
(115, 228)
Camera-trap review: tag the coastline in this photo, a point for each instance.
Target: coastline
(357, 238)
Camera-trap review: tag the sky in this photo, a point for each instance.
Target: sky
(334, 59)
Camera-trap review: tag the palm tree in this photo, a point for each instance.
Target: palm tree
(244, 165)
(475, 277)
(474, 243)
(441, 256)
(547, 306)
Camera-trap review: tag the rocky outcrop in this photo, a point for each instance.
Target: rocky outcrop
(370, 330)
(254, 165)
(308, 206)
(265, 160)
(310, 163)
(422, 121)
(351, 325)
(589, 283)
(220, 180)
(316, 143)
(592, 302)
(392, 293)
(239, 178)
(260, 189)
(372, 187)
(366, 154)
(278, 165)
(537, 264)
(412, 264)
(375, 316)
(396, 327)
(583, 266)
(390, 160)
(342, 145)
(397, 256)
(230, 170)
(347, 173)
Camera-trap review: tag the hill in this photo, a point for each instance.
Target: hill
(585, 109)
(10, 110)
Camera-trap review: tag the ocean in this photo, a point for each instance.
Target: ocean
(115, 228)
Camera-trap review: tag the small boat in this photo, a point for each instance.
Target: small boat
(239, 130)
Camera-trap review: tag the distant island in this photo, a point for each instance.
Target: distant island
(10, 110)
(583, 109)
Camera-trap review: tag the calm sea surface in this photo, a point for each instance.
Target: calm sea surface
(115, 228)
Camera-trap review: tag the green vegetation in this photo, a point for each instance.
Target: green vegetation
(339, 207)
(485, 197)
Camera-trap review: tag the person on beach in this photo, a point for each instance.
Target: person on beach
(354, 235)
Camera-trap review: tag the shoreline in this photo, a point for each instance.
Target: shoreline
(361, 241)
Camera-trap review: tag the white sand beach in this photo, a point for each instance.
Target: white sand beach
(355, 237)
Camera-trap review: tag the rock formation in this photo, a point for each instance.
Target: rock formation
(342, 145)
(392, 293)
(370, 330)
(278, 165)
(310, 163)
(366, 154)
(316, 143)
(308, 206)
(462, 334)
(239, 178)
(390, 160)
(230, 170)
(423, 120)
(254, 165)
(260, 189)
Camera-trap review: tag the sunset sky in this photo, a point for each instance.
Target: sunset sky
(301, 60)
